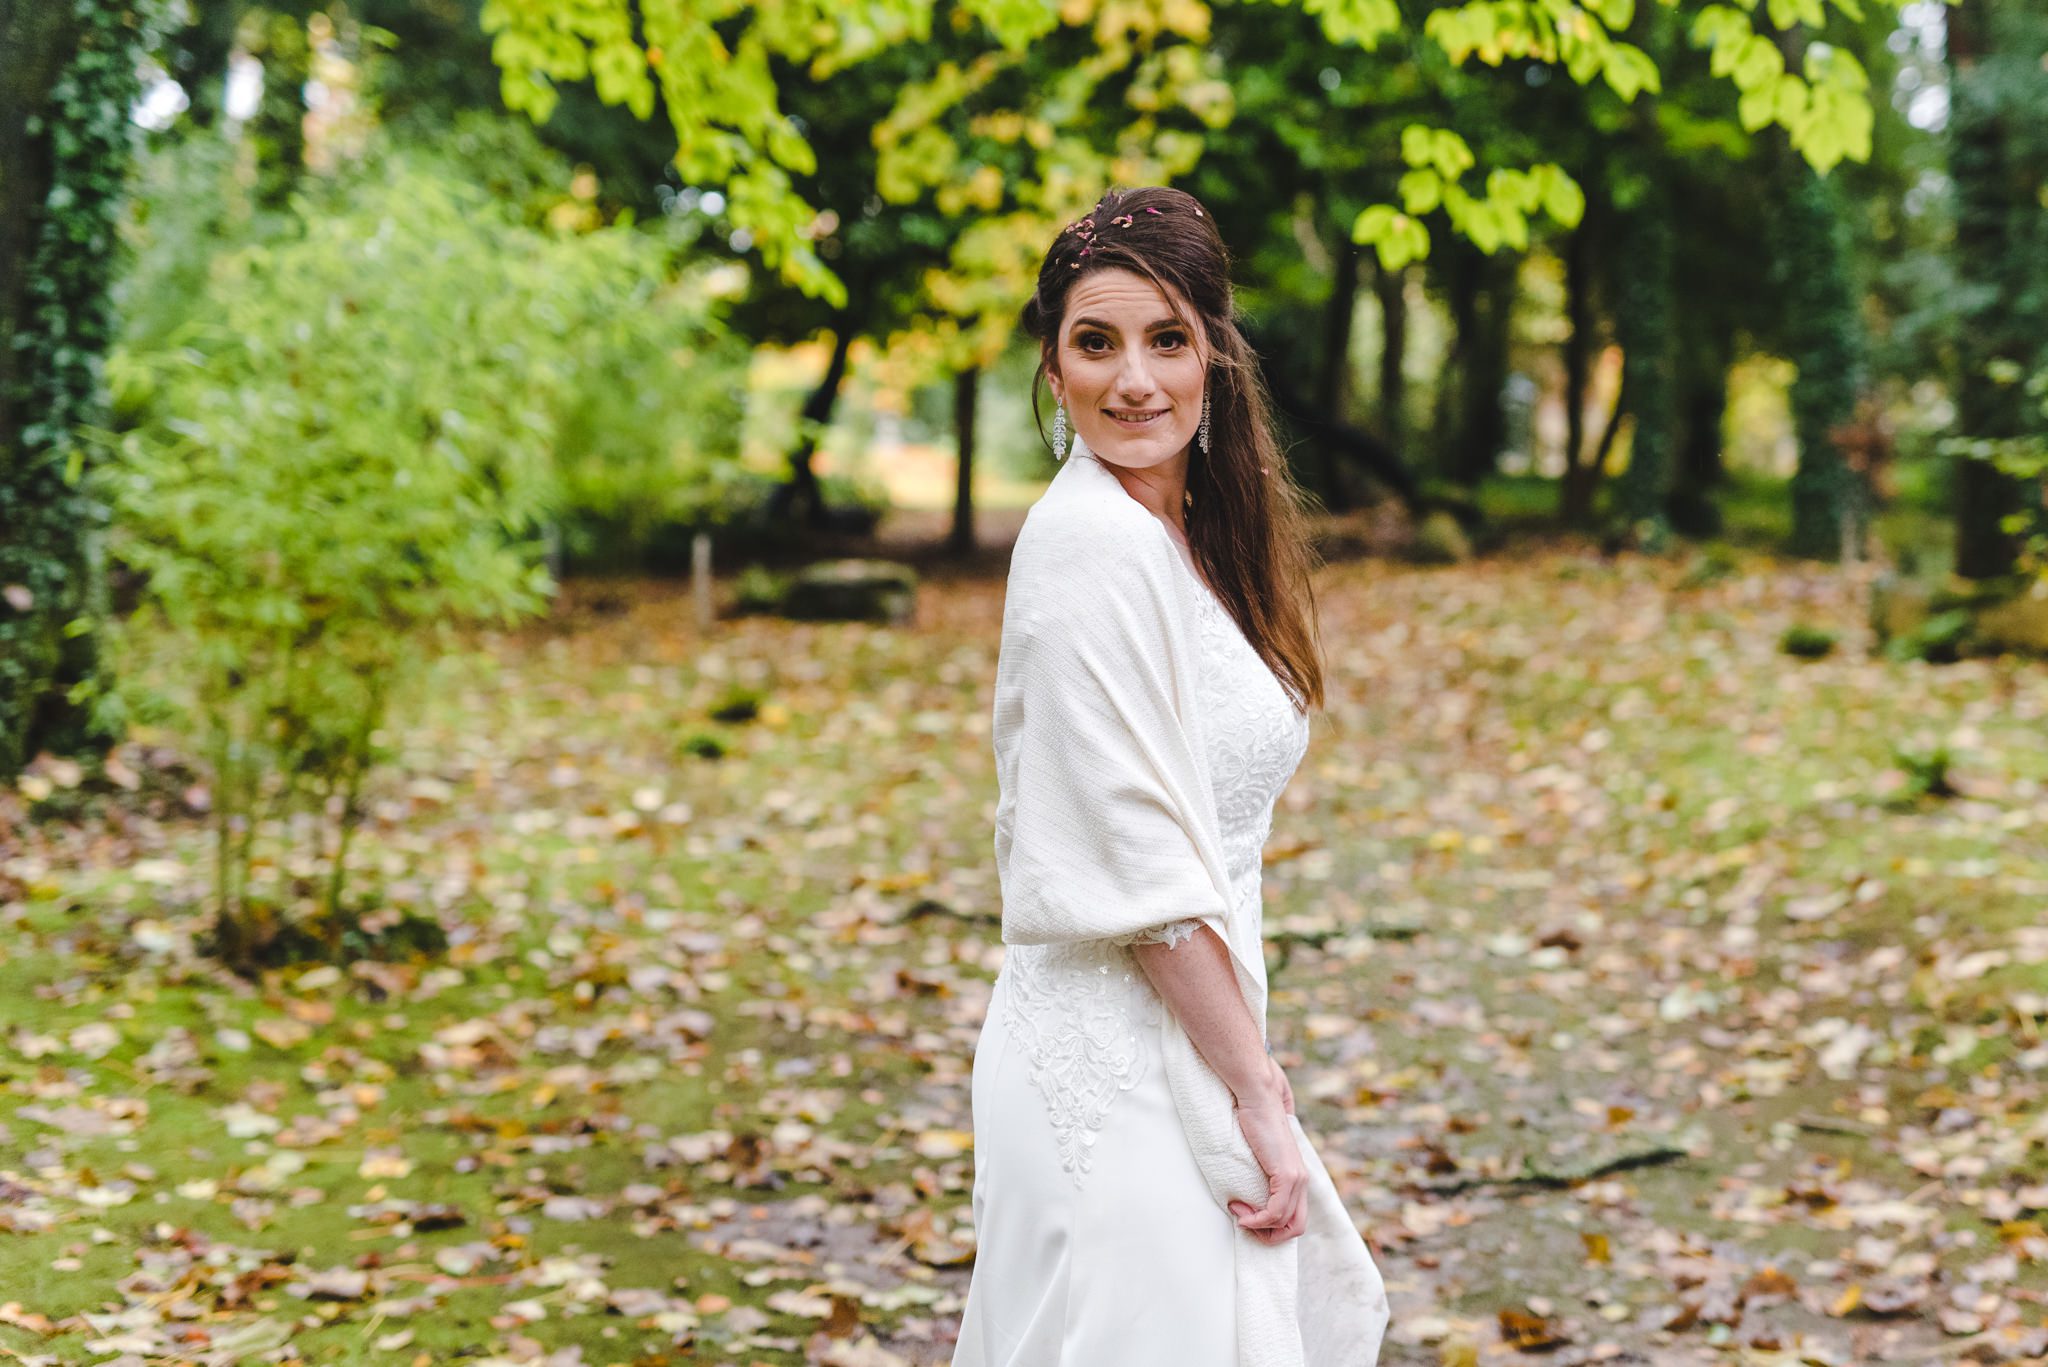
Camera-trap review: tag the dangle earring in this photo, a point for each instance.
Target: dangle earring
(1202, 435)
(1059, 432)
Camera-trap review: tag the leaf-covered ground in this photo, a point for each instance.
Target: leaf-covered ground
(1641, 1008)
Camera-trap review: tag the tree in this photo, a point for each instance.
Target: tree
(70, 78)
(1825, 333)
(1998, 163)
(718, 76)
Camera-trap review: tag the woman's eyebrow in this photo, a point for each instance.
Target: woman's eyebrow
(1098, 323)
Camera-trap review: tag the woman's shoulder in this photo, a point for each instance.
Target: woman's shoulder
(1085, 524)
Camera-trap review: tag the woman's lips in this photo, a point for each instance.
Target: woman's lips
(1143, 422)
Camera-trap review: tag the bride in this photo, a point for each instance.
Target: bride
(1143, 1195)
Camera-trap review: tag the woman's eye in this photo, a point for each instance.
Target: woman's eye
(1171, 340)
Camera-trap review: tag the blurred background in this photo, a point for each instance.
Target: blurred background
(1774, 276)
(503, 512)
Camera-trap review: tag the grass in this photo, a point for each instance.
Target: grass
(686, 994)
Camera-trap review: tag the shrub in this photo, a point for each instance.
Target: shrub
(2025, 459)
(1938, 640)
(1807, 642)
(347, 448)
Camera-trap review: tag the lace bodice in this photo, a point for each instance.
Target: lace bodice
(1077, 1008)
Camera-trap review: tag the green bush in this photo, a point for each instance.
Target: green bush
(649, 443)
(1807, 642)
(347, 447)
(1938, 640)
(2025, 459)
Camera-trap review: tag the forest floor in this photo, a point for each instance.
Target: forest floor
(1643, 1004)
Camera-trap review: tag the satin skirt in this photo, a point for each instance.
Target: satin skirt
(1132, 1268)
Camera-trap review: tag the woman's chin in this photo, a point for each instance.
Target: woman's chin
(1157, 440)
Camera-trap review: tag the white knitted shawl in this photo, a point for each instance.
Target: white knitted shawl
(1106, 824)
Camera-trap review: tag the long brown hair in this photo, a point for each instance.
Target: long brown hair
(1248, 525)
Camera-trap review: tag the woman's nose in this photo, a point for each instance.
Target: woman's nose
(1134, 380)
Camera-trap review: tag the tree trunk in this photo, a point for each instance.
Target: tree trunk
(2000, 249)
(1826, 344)
(277, 131)
(39, 38)
(1461, 302)
(801, 499)
(1338, 311)
(1648, 328)
(1392, 289)
(1703, 405)
(198, 58)
(1702, 463)
(1333, 378)
(1579, 470)
(966, 390)
(1483, 427)
(67, 83)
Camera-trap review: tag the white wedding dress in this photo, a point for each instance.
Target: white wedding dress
(1099, 1242)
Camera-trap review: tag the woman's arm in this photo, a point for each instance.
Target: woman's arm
(1197, 981)
(1199, 985)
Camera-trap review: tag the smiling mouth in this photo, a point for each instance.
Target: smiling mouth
(1129, 419)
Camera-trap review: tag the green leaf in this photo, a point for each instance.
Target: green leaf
(1421, 190)
(1790, 106)
(1374, 223)
(1453, 158)
(1630, 71)
(1715, 23)
(1363, 22)
(1563, 200)
(1616, 14)
(1481, 223)
(1505, 185)
(1829, 65)
(1758, 62)
(1757, 107)
(1398, 238)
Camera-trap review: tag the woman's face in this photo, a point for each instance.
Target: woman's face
(1121, 354)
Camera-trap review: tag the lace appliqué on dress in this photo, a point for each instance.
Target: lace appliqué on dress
(1170, 934)
(1076, 1010)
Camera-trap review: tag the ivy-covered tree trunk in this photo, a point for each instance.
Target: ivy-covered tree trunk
(1825, 334)
(1998, 162)
(277, 130)
(67, 84)
(1646, 323)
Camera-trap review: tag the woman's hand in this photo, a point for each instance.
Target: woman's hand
(1263, 1117)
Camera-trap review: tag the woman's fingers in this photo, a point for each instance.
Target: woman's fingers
(1292, 1228)
(1286, 1207)
(1270, 1134)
